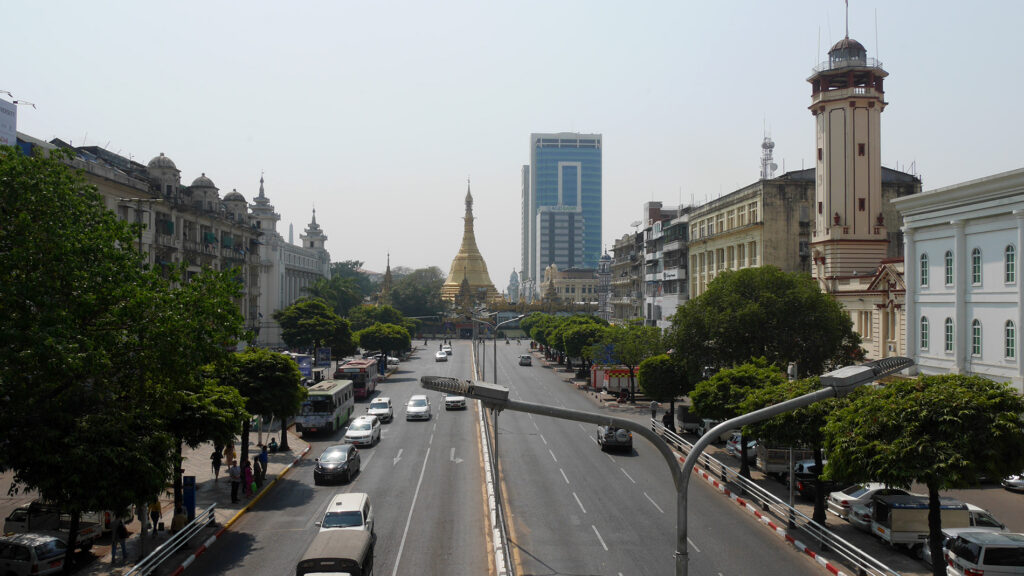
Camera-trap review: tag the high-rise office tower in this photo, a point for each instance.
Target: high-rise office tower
(561, 212)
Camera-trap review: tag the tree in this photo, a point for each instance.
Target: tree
(353, 269)
(419, 293)
(578, 339)
(365, 316)
(310, 323)
(763, 311)
(801, 427)
(341, 293)
(385, 337)
(663, 380)
(91, 339)
(633, 344)
(944, 432)
(721, 397)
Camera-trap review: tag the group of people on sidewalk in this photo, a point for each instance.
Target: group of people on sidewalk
(249, 476)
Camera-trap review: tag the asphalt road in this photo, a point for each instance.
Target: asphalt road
(576, 510)
(424, 479)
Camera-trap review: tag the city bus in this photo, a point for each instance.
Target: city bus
(327, 407)
(363, 374)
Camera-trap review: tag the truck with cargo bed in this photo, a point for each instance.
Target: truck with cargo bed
(47, 519)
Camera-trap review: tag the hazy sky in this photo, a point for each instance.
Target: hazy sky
(375, 113)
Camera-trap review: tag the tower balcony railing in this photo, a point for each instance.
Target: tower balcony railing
(848, 63)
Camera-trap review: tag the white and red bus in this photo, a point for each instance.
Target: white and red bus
(363, 374)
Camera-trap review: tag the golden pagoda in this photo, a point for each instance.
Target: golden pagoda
(469, 266)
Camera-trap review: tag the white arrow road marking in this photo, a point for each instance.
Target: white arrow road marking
(454, 459)
(397, 458)
(599, 539)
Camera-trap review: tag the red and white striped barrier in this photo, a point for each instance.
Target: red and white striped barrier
(768, 522)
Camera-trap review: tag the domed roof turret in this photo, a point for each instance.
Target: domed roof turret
(203, 181)
(233, 196)
(848, 50)
(161, 161)
(605, 257)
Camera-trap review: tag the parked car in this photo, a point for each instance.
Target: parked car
(453, 402)
(363, 431)
(948, 534)
(381, 408)
(417, 408)
(525, 360)
(988, 553)
(1014, 482)
(705, 426)
(31, 553)
(732, 445)
(338, 461)
(392, 361)
(860, 515)
(440, 356)
(611, 437)
(840, 502)
(348, 511)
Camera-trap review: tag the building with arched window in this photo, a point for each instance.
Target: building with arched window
(965, 238)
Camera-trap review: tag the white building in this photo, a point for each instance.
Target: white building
(963, 296)
(286, 269)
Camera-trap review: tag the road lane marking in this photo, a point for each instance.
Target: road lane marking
(581, 426)
(564, 476)
(599, 539)
(627, 475)
(578, 502)
(452, 458)
(692, 544)
(431, 441)
(544, 440)
(653, 502)
(408, 521)
(552, 455)
(397, 458)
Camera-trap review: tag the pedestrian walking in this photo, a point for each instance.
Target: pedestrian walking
(154, 514)
(247, 478)
(257, 472)
(118, 536)
(654, 409)
(264, 458)
(235, 473)
(215, 460)
(229, 453)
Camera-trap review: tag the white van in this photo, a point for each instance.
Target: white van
(348, 511)
(989, 553)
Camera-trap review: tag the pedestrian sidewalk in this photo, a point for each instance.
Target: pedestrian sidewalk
(209, 491)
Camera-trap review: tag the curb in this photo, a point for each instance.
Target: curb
(209, 541)
(800, 546)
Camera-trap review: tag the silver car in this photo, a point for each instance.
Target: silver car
(417, 408)
(840, 502)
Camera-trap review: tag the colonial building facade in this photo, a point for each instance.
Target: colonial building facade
(963, 292)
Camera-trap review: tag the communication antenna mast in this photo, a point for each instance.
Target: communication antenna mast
(768, 166)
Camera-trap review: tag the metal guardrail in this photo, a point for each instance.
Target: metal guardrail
(153, 561)
(864, 563)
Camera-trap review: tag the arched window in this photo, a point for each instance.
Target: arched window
(924, 270)
(1010, 340)
(1010, 264)
(976, 266)
(924, 332)
(949, 334)
(949, 268)
(976, 337)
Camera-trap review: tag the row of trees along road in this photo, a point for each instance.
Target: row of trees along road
(310, 323)
(106, 366)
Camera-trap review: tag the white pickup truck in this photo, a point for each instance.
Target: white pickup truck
(42, 518)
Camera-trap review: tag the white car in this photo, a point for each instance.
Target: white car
(440, 356)
(363, 431)
(348, 511)
(381, 408)
(417, 408)
(1014, 482)
(733, 446)
(840, 502)
(447, 349)
(452, 402)
(392, 361)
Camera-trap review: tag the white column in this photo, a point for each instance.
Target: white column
(1018, 317)
(910, 272)
(961, 280)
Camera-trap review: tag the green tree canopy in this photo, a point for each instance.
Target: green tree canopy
(271, 385)
(365, 316)
(944, 432)
(342, 294)
(388, 338)
(662, 379)
(310, 323)
(763, 311)
(353, 269)
(633, 344)
(419, 292)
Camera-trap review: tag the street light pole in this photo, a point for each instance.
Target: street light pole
(834, 384)
(499, 325)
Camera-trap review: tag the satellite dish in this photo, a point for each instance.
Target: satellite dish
(774, 166)
(636, 223)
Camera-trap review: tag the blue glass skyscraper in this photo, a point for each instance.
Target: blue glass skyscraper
(561, 199)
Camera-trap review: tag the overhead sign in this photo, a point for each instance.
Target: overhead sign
(8, 123)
